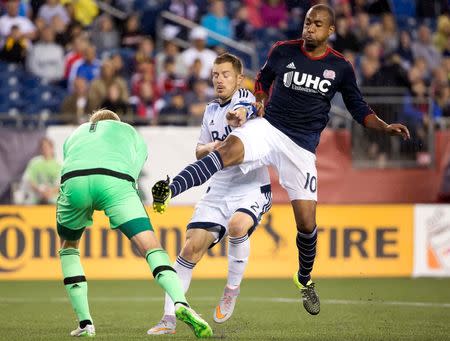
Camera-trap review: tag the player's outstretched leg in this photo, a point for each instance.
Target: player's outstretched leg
(76, 287)
(186, 314)
(195, 174)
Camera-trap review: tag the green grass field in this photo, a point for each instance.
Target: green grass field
(352, 309)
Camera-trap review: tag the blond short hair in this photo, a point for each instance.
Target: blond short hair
(103, 114)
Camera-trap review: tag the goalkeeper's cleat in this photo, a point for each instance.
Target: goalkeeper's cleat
(309, 296)
(167, 325)
(225, 308)
(198, 325)
(161, 195)
(87, 331)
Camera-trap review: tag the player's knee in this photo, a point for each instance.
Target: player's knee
(306, 226)
(191, 251)
(231, 151)
(236, 230)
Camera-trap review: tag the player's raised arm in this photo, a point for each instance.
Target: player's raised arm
(361, 111)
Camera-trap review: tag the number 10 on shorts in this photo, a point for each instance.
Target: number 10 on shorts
(311, 183)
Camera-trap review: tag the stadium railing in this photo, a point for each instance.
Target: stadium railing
(376, 150)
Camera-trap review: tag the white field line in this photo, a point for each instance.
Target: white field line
(137, 299)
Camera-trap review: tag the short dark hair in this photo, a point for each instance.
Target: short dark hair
(328, 9)
(230, 58)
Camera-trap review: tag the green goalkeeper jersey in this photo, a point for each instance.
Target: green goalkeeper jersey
(106, 144)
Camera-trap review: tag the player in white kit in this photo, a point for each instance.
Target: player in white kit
(233, 203)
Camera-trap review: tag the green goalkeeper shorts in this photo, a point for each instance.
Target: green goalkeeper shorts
(118, 198)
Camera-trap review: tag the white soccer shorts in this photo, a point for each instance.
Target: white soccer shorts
(214, 210)
(266, 145)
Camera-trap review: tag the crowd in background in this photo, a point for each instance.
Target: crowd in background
(75, 57)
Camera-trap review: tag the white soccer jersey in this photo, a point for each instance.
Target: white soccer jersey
(216, 128)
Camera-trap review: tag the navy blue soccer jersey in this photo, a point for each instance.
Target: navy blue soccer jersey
(302, 88)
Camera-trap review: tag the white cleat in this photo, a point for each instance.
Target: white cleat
(226, 305)
(167, 325)
(88, 331)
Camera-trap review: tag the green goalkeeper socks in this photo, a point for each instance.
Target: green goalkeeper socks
(165, 275)
(75, 282)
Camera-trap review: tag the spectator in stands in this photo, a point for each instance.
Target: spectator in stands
(404, 49)
(104, 35)
(243, 30)
(169, 81)
(423, 47)
(372, 51)
(170, 50)
(84, 11)
(77, 49)
(441, 101)
(12, 18)
(216, 20)
(144, 54)
(194, 73)
(361, 29)
(345, 39)
(46, 58)
(88, 67)
(42, 175)
(132, 34)
(198, 37)
(274, 14)
(415, 114)
(187, 9)
(390, 33)
(369, 69)
(442, 35)
(196, 101)
(78, 105)
(146, 105)
(114, 100)
(53, 8)
(99, 86)
(175, 112)
(15, 48)
(60, 28)
(254, 13)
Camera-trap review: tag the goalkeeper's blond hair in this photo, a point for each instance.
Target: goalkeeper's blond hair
(103, 114)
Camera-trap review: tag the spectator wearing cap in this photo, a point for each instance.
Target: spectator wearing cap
(12, 18)
(199, 51)
(216, 20)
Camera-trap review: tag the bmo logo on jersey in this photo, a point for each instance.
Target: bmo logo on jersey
(306, 82)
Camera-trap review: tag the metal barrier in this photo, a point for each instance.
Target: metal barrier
(376, 150)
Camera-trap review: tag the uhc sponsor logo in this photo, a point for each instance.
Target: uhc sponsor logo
(299, 81)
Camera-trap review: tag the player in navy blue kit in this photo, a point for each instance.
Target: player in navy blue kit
(298, 81)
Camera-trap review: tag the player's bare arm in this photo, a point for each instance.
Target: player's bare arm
(204, 149)
(374, 122)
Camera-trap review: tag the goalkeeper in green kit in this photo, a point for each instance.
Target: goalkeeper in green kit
(102, 161)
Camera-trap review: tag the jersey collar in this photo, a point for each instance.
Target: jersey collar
(327, 51)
